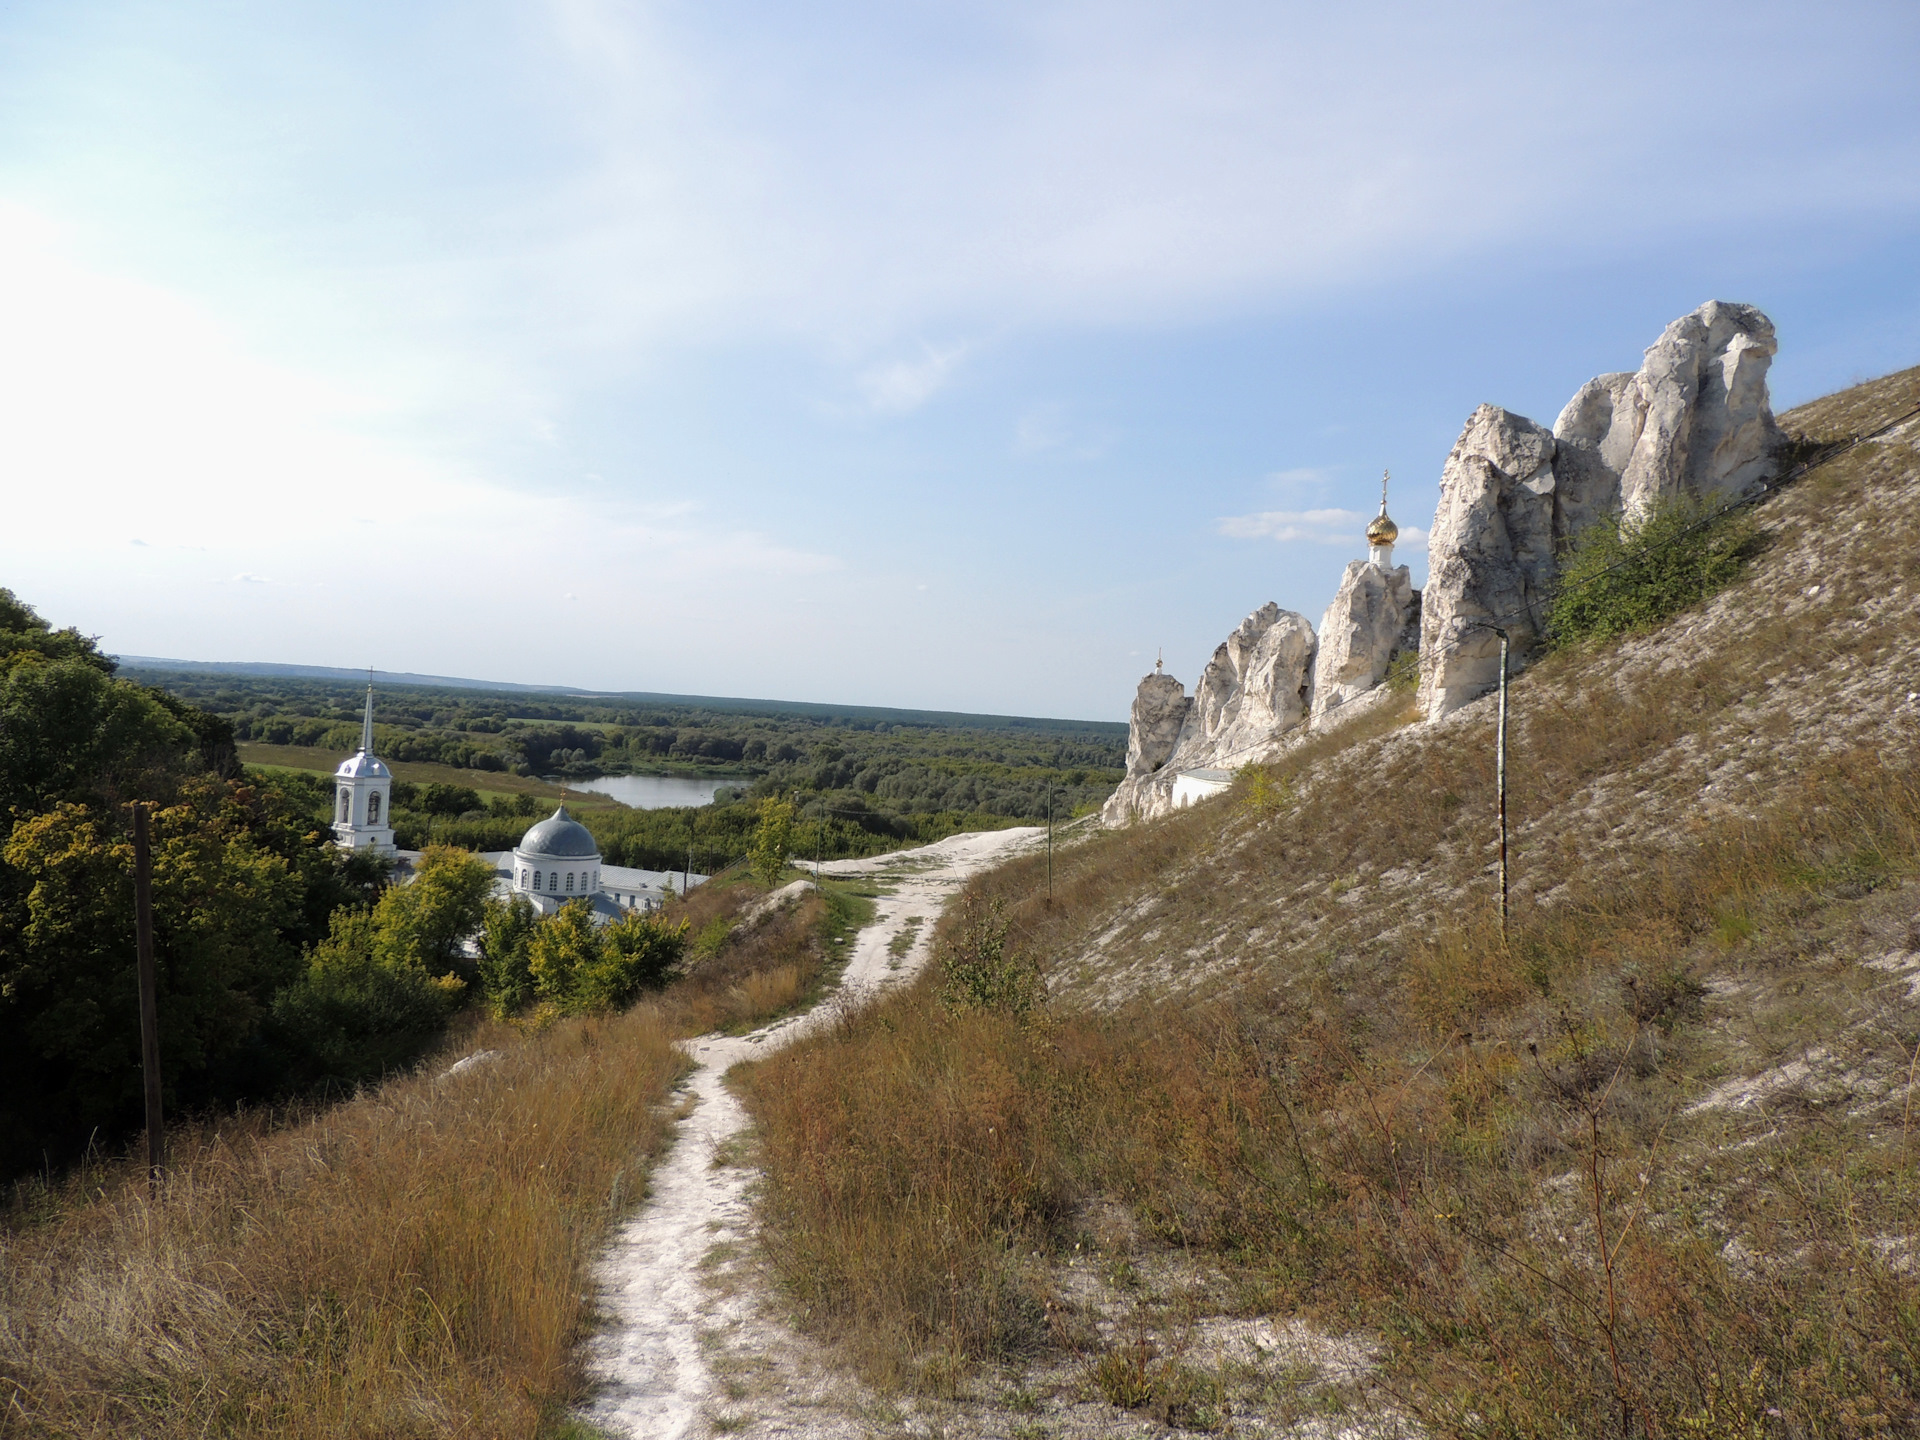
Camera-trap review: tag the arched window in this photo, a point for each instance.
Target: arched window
(569, 880)
(346, 805)
(536, 879)
(373, 808)
(553, 880)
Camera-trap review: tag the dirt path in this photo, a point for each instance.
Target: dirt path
(670, 1360)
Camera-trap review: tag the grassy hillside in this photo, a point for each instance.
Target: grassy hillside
(1298, 1134)
(411, 1261)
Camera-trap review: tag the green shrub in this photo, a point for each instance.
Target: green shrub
(505, 947)
(1628, 574)
(353, 1017)
(579, 969)
(978, 970)
(638, 952)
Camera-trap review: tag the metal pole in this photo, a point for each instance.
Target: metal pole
(1500, 774)
(686, 880)
(149, 994)
(1049, 844)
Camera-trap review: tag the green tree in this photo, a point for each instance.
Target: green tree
(562, 945)
(354, 1016)
(425, 922)
(637, 953)
(773, 841)
(69, 1029)
(506, 976)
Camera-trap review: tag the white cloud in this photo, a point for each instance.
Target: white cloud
(124, 403)
(1305, 477)
(1048, 430)
(900, 386)
(1321, 527)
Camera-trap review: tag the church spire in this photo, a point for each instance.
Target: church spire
(366, 726)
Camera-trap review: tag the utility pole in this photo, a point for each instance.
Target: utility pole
(686, 880)
(1500, 770)
(149, 994)
(1049, 844)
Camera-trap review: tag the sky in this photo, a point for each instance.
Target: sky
(938, 355)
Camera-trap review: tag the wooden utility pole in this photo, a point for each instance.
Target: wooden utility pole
(1049, 844)
(1500, 778)
(149, 994)
(1500, 768)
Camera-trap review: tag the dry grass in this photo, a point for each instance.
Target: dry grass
(758, 972)
(410, 1262)
(1371, 1110)
(413, 1261)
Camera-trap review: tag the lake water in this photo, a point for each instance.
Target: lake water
(653, 792)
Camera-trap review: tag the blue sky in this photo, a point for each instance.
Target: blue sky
(914, 354)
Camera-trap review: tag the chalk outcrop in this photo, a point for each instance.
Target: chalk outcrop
(1361, 633)
(1160, 708)
(1255, 689)
(1694, 420)
(1490, 556)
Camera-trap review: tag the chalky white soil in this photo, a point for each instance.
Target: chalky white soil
(689, 1346)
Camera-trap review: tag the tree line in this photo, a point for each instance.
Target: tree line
(286, 966)
(864, 780)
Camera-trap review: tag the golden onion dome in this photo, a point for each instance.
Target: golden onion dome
(1383, 531)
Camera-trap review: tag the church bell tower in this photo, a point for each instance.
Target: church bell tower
(363, 796)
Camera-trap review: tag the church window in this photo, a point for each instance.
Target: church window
(536, 879)
(553, 880)
(346, 806)
(569, 880)
(373, 808)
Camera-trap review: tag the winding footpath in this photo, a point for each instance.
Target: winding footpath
(652, 1364)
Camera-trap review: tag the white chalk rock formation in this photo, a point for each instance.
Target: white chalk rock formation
(1160, 708)
(1490, 556)
(1360, 634)
(1693, 420)
(1257, 684)
(1255, 689)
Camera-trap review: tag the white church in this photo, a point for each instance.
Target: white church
(557, 860)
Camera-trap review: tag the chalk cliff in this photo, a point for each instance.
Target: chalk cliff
(1255, 689)
(1693, 420)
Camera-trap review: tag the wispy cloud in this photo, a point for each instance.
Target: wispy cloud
(1050, 430)
(1320, 527)
(1304, 477)
(900, 386)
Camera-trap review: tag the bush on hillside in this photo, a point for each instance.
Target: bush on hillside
(506, 944)
(1628, 574)
(358, 1014)
(979, 970)
(578, 969)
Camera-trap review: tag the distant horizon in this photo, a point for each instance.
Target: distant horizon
(270, 669)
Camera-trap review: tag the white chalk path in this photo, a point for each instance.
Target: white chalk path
(650, 1365)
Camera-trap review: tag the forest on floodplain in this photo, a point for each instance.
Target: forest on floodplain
(865, 779)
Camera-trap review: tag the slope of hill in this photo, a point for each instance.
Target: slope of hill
(1301, 1135)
